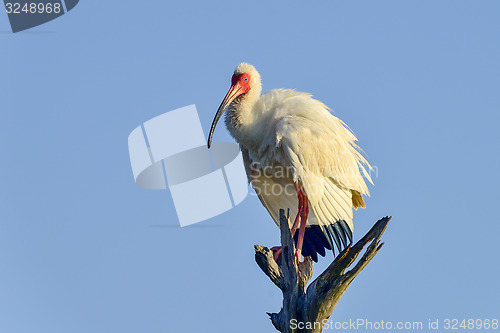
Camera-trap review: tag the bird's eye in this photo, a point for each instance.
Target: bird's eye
(246, 79)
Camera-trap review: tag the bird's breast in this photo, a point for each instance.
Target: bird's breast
(270, 162)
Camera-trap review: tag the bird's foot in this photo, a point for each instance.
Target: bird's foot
(277, 252)
(298, 254)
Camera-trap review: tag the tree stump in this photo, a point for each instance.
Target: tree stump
(307, 310)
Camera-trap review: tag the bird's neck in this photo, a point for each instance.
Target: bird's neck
(243, 118)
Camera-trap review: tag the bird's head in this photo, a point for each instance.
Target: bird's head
(244, 83)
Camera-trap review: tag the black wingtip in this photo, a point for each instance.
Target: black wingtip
(340, 232)
(346, 229)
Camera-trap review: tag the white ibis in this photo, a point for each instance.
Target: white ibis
(299, 156)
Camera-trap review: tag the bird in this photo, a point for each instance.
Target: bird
(299, 156)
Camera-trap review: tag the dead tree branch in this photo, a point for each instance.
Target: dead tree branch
(304, 311)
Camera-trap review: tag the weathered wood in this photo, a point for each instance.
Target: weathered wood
(309, 308)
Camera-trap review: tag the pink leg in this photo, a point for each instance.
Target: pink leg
(296, 223)
(301, 216)
(303, 223)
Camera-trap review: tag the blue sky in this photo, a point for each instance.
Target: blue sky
(83, 249)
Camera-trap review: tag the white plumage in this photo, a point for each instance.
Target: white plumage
(295, 143)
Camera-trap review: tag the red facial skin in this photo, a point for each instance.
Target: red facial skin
(243, 80)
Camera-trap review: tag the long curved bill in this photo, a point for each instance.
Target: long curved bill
(233, 92)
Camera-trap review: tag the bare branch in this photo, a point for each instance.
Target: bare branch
(265, 259)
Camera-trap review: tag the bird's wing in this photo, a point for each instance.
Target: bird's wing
(324, 158)
(324, 148)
